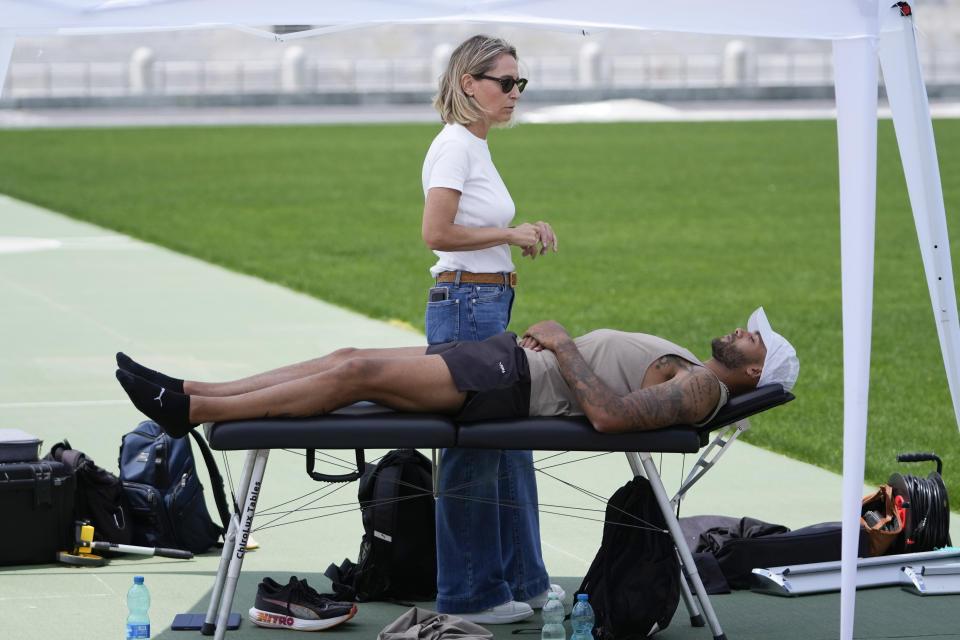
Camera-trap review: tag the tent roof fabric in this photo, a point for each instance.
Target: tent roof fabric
(818, 19)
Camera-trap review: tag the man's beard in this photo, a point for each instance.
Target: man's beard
(727, 354)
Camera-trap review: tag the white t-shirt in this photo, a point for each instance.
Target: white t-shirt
(459, 160)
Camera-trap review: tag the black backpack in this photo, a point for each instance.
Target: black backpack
(99, 498)
(634, 580)
(398, 552)
(160, 481)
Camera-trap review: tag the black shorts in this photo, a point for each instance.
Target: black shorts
(494, 373)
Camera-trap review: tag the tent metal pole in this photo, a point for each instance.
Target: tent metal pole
(855, 72)
(902, 75)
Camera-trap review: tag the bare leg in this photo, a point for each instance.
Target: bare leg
(294, 371)
(406, 383)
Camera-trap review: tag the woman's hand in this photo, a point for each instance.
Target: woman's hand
(525, 235)
(545, 237)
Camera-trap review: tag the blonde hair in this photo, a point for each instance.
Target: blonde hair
(474, 56)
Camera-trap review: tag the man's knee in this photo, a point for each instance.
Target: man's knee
(356, 369)
(344, 353)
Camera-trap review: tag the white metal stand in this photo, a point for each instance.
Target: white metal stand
(824, 577)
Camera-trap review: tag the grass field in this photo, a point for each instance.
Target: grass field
(674, 229)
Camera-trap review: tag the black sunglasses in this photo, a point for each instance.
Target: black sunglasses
(506, 82)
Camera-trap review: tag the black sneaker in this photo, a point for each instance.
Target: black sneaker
(297, 606)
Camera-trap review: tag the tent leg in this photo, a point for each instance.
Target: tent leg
(903, 78)
(855, 69)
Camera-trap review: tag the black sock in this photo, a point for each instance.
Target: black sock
(126, 363)
(169, 409)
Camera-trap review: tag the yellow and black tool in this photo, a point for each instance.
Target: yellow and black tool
(83, 553)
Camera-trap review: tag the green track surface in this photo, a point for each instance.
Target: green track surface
(674, 229)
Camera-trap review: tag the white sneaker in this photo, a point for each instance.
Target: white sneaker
(537, 602)
(505, 613)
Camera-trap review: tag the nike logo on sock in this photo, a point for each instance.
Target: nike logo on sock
(162, 391)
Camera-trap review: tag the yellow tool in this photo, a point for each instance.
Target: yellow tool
(83, 553)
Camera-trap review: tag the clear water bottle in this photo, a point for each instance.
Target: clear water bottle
(553, 619)
(138, 601)
(581, 619)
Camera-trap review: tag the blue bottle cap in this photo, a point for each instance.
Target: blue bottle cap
(581, 596)
(137, 579)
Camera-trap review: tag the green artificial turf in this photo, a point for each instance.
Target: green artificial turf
(674, 229)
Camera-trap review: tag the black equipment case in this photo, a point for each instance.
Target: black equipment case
(36, 503)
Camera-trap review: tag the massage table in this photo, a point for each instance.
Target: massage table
(365, 425)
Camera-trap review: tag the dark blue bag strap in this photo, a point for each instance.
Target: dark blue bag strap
(216, 480)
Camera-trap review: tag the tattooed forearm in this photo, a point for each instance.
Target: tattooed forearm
(687, 397)
(607, 410)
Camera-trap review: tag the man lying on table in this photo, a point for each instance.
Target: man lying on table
(620, 381)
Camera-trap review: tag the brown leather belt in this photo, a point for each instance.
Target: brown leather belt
(479, 278)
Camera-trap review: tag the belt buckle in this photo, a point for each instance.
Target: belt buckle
(513, 279)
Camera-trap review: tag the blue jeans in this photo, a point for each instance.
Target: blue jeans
(488, 526)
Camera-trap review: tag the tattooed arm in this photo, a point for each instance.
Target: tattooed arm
(689, 396)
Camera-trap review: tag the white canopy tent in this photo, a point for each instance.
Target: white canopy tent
(861, 30)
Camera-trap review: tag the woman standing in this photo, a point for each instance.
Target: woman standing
(489, 563)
